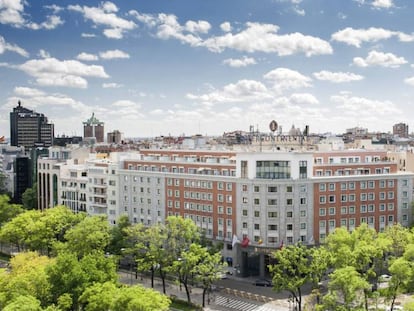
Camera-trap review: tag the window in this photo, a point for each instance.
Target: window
(257, 201)
(331, 199)
(351, 185)
(256, 214)
(302, 225)
(371, 184)
(371, 208)
(363, 184)
(343, 197)
(220, 186)
(351, 198)
(344, 210)
(272, 189)
(244, 212)
(302, 213)
(363, 209)
(343, 185)
(322, 199)
(244, 188)
(289, 189)
(390, 195)
(331, 187)
(390, 206)
(390, 183)
(272, 227)
(256, 189)
(302, 201)
(382, 207)
(256, 227)
(322, 212)
(371, 196)
(272, 202)
(289, 227)
(352, 221)
(363, 197)
(272, 214)
(322, 187)
(332, 211)
(390, 218)
(245, 200)
(229, 211)
(343, 222)
(351, 210)
(289, 201)
(289, 214)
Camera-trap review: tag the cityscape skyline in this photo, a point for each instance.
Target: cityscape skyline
(160, 67)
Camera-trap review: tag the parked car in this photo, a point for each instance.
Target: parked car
(385, 278)
(263, 282)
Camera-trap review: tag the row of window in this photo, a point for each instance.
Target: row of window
(362, 197)
(362, 185)
(351, 222)
(273, 201)
(274, 214)
(348, 172)
(274, 227)
(369, 208)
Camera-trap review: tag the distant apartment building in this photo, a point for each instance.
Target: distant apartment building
(93, 129)
(400, 130)
(30, 129)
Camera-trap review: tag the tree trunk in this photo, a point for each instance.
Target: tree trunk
(187, 291)
(204, 297)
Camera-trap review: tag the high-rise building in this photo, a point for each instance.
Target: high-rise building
(93, 128)
(400, 129)
(30, 129)
(114, 137)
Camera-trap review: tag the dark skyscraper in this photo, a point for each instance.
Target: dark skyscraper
(29, 129)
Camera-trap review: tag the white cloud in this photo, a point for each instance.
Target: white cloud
(286, 79)
(356, 37)
(111, 85)
(226, 27)
(88, 35)
(27, 92)
(241, 91)
(105, 15)
(240, 62)
(12, 13)
(383, 4)
(111, 54)
(55, 8)
(4, 46)
(264, 38)
(87, 57)
(375, 58)
(409, 81)
(68, 73)
(337, 77)
(360, 106)
(255, 38)
(43, 54)
(197, 27)
(302, 99)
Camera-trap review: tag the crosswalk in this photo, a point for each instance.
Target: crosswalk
(241, 305)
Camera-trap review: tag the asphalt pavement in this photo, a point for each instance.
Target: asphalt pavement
(229, 295)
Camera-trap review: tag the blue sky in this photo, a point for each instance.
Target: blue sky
(160, 67)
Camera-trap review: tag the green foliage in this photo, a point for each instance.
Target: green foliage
(119, 236)
(23, 303)
(108, 296)
(29, 198)
(89, 236)
(8, 210)
(27, 277)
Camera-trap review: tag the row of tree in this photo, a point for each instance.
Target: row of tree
(68, 261)
(346, 271)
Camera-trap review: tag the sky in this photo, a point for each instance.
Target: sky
(174, 67)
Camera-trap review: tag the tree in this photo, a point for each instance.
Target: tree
(26, 277)
(70, 275)
(292, 270)
(119, 236)
(208, 268)
(29, 198)
(91, 235)
(23, 303)
(109, 296)
(19, 230)
(346, 288)
(8, 210)
(362, 249)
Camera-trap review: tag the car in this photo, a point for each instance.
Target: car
(385, 278)
(263, 282)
